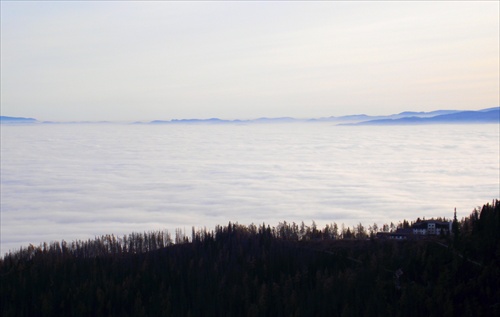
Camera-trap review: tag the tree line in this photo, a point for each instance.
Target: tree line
(138, 242)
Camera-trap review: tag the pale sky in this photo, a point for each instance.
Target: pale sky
(128, 61)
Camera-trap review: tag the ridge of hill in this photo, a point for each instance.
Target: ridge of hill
(489, 115)
(5, 119)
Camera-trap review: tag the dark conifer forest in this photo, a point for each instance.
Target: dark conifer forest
(259, 270)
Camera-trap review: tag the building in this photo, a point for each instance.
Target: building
(418, 230)
(400, 234)
(431, 227)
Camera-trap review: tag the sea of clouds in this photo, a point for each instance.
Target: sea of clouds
(77, 181)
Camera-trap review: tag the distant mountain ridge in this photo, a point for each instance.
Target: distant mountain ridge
(489, 115)
(222, 121)
(5, 119)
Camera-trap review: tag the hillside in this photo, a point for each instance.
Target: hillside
(235, 270)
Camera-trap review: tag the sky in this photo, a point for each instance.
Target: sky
(128, 61)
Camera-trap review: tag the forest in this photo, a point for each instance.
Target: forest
(258, 270)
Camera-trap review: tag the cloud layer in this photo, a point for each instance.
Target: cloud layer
(77, 181)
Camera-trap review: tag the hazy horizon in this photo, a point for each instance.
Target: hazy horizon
(255, 118)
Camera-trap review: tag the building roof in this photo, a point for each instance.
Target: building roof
(424, 223)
